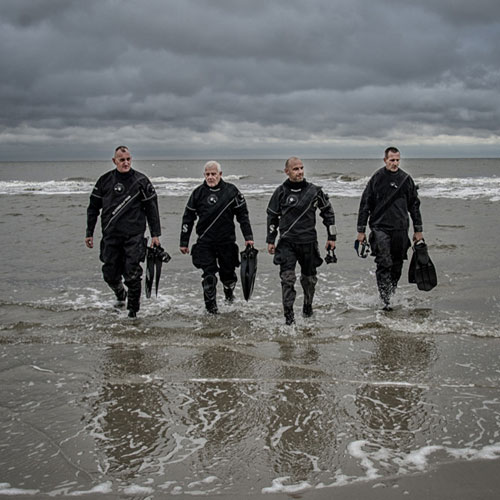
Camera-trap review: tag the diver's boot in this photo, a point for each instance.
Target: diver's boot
(289, 316)
(307, 310)
(120, 293)
(209, 284)
(229, 291)
(385, 289)
(386, 300)
(133, 297)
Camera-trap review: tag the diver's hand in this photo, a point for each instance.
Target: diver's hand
(249, 242)
(155, 241)
(361, 237)
(89, 242)
(271, 248)
(417, 236)
(184, 250)
(330, 244)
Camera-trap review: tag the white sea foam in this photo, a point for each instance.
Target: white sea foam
(102, 488)
(373, 458)
(278, 486)
(7, 489)
(467, 188)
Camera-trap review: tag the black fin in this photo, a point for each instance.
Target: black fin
(150, 270)
(158, 264)
(422, 270)
(156, 256)
(248, 270)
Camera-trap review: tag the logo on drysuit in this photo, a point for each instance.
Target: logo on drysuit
(184, 228)
(119, 188)
(291, 200)
(212, 199)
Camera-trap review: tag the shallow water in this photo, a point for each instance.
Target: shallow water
(179, 402)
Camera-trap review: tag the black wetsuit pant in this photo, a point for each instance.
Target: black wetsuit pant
(287, 254)
(390, 249)
(122, 257)
(213, 258)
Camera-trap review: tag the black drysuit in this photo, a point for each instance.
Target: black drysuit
(389, 223)
(292, 211)
(215, 250)
(125, 202)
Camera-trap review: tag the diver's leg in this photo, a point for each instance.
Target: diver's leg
(383, 260)
(111, 255)
(309, 259)
(228, 258)
(209, 284)
(308, 286)
(288, 260)
(400, 243)
(208, 262)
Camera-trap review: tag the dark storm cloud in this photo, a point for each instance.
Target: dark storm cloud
(226, 73)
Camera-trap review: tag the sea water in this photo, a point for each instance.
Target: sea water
(179, 402)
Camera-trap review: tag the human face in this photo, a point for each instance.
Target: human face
(123, 161)
(212, 176)
(392, 161)
(295, 170)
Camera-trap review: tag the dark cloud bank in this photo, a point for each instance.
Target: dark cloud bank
(229, 78)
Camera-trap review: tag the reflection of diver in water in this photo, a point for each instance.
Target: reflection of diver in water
(301, 436)
(392, 411)
(303, 422)
(129, 411)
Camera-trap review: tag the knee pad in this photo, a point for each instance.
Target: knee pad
(308, 281)
(209, 285)
(288, 277)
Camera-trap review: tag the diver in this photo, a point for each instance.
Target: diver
(292, 212)
(125, 199)
(388, 198)
(215, 203)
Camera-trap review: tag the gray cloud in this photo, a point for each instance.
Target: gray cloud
(257, 77)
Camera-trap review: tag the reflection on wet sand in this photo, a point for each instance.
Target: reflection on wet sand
(129, 411)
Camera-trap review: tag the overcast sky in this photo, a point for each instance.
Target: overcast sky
(249, 78)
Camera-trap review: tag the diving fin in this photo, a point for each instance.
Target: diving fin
(156, 256)
(150, 270)
(422, 270)
(248, 270)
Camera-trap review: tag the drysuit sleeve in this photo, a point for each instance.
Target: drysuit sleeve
(273, 216)
(327, 214)
(188, 219)
(365, 205)
(242, 216)
(94, 208)
(150, 202)
(414, 207)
